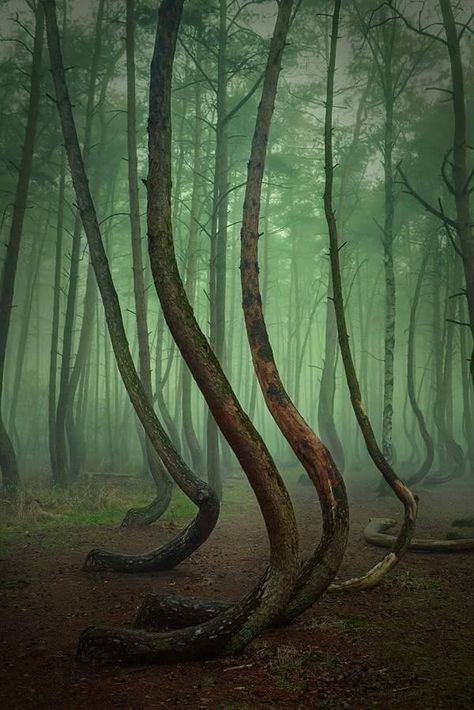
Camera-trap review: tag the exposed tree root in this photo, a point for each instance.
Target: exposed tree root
(224, 634)
(375, 534)
(163, 611)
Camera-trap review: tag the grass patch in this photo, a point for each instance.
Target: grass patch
(89, 503)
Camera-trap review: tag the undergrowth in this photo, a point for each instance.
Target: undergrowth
(38, 507)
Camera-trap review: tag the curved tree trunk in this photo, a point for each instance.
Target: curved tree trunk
(75, 434)
(61, 473)
(425, 435)
(318, 572)
(375, 534)
(326, 421)
(321, 568)
(192, 441)
(217, 264)
(8, 462)
(233, 629)
(193, 536)
(138, 517)
(374, 575)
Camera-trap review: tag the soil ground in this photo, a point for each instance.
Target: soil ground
(408, 644)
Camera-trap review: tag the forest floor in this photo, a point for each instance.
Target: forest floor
(408, 644)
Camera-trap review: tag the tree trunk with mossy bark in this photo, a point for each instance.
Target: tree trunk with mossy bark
(319, 570)
(232, 630)
(139, 517)
(200, 528)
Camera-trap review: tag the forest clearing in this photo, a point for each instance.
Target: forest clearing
(237, 354)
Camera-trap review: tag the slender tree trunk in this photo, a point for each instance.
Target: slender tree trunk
(327, 388)
(232, 630)
(319, 571)
(217, 265)
(161, 380)
(468, 418)
(403, 493)
(197, 457)
(36, 254)
(75, 434)
(450, 454)
(202, 496)
(145, 516)
(8, 462)
(61, 473)
(390, 298)
(426, 465)
(53, 358)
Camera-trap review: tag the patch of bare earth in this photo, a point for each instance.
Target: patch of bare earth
(408, 644)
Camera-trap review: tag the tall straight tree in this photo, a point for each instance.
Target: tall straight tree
(8, 460)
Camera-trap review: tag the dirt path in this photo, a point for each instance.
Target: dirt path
(408, 644)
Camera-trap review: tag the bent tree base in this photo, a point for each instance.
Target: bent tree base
(232, 630)
(376, 534)
(169, 555)
(141, 517)
(213, 638)
(163, 611)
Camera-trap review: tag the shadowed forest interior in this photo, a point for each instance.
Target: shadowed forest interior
(237, 305)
